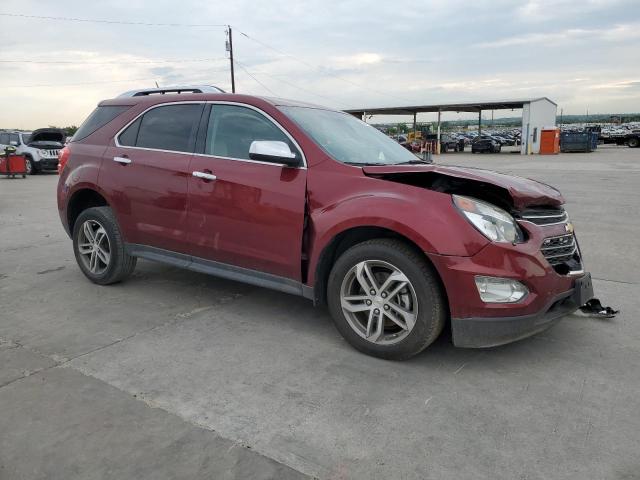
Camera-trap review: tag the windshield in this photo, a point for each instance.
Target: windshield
(348, 139)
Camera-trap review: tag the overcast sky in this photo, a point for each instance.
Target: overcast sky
(581, 54)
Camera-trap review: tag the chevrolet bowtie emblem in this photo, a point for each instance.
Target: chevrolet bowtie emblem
(568, 227)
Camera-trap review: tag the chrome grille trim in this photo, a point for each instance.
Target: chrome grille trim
(50, 153)
(545, 216)
(561, 251)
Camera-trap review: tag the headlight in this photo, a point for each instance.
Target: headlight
(493, 222)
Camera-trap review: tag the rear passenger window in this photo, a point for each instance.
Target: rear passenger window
(130, 135)
(170, 127)
(232, 128)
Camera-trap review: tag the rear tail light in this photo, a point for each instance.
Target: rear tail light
(63, 156)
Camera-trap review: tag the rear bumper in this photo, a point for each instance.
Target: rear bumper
(493, 331)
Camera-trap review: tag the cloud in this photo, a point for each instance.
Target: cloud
(616, 33)
(619, 85)
(544, 10)
(341, 53)
(357, 59)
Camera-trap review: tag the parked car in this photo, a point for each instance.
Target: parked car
(40, 147)
(504, 140)
(449, 143)
(485, 145)
(314, 202)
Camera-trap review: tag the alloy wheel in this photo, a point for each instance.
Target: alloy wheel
(379, 302)
(94, 247)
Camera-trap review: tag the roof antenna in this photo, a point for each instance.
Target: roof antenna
(157, 86)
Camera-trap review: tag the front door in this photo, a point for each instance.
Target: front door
(146, 172)
(252, 214)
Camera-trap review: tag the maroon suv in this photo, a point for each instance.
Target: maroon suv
(314, 202)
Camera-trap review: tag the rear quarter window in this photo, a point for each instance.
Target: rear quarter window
(98, 118)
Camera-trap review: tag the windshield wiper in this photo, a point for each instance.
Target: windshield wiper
(364, 164)
(412, 162)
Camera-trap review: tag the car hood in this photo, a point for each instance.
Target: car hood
(523, 192)
(47, 137)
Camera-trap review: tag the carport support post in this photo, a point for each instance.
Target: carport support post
(415, 126)
(479, 122)
(438, 136)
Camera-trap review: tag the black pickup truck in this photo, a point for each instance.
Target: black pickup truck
(631, 139)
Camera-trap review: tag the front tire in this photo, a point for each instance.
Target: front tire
(386, 299)
(633, 142)
(29, 166)
(99, 247)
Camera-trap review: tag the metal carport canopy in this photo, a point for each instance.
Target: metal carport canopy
(446, 107)
(474, 107)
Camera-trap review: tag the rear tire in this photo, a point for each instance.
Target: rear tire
(633, 142)
(99, 247)
(364, 315)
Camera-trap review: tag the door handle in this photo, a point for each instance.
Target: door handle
(205, 176)
(122, 160)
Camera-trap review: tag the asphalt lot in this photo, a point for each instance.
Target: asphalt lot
(174, 374)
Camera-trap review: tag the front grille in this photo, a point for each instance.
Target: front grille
(563, 253)
(559, 249)
(50, 153)
(544, 216)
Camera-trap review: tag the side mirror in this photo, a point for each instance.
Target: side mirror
(274, 152)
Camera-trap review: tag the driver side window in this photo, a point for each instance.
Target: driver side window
(233, 128)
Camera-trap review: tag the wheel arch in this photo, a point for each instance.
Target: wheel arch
(81, 200)
(346, 239)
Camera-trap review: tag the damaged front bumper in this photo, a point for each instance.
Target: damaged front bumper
(551, 295)
(480, 332)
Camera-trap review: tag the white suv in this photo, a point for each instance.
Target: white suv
(40, 147)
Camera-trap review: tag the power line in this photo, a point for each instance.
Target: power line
(116, 22)
(257, 81)
(319, 69)
(333, 100)
(74, 84)
(112, 62)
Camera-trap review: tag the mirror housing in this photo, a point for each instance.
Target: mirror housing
(273, 151)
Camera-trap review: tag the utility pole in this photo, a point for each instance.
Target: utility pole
(230, 50)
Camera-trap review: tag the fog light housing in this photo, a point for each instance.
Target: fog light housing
(500, 290)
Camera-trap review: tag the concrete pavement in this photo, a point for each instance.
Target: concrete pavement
(174, 374)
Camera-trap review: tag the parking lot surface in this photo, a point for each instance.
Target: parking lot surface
(173, 374)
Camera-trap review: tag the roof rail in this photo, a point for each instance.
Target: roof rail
(172, 90)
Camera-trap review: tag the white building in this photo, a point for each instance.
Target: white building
(537, 114)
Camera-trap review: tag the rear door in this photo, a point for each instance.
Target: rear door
(145, 174)
(252, 214)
